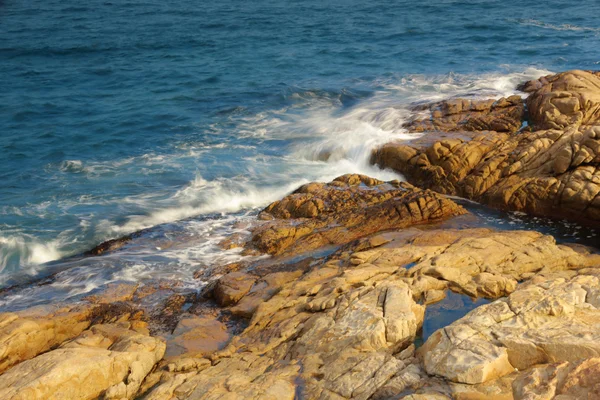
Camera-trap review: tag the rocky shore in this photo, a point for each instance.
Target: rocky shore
(358, 271)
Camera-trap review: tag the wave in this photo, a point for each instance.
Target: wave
(554, 27)
(316, 135)
(28, 252)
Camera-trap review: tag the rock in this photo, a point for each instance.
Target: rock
(197, 336)
(232, 287)
(541, 322)
(568, 98)
(264, 289)
(108, 360)
(503, 115)
(338, 212)
(563, 381)
(114, 292)
(114, 244)
(25, 334)
(344, 327)
(552, 171)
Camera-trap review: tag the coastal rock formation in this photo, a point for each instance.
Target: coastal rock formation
(108, 360)
(565, 381)
(553, 171)
(349, 207)
(25, 334)
(343, 323)
(343, 328)
(503, 115)
(565, 99)
(545, 321)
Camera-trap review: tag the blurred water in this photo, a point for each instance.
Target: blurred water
(116, 116)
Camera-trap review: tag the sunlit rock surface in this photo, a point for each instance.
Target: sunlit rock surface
(550, 169)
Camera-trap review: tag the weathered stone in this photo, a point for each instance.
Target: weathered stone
(350, 207)
(232, 287)
(114, 292)
(553, 171)
(196, 337)
(542, 322)
(108, 360)
(503, 115)
(568, 98)
(25, 334)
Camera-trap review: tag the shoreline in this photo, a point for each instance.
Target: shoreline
(355, 264)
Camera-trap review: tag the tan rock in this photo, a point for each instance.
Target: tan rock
(26, 334)
(350, 207)
(552, 171)
(197, 336)
(232, 287)
(107, 360)
(114, 292)
(543, 322)
(503, 115)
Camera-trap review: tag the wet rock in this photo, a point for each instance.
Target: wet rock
(552, 171)
(352, 206)
(108, 360)
(114, 244)
(114, 292)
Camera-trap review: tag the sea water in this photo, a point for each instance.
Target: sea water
(190, 116)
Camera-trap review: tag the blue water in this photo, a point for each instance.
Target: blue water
(121, 115)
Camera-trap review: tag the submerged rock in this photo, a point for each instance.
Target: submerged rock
(552, 171)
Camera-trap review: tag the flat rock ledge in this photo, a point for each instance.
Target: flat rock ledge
(471, 149)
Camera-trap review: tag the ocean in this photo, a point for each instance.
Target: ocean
(190, 116)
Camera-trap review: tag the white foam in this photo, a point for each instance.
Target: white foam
(28, 252)
(554, 27)
(324, 140)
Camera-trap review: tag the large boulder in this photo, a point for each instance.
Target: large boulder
(107, 360)
(350, 207)
(549, 172)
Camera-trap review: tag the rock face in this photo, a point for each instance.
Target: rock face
(108, 360)
(343, 329)
(503, 115)
(565, 381)
(562, 100)
(551, 171)
(350, 207)
(545, 321)
(25, 334)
